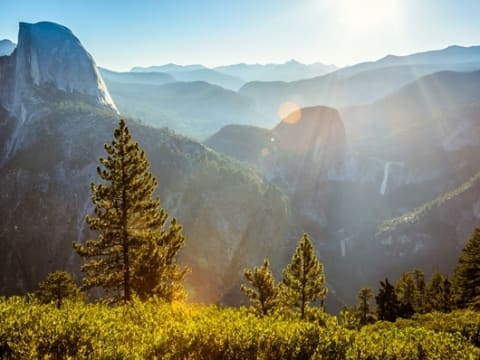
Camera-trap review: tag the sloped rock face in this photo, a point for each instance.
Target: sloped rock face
(49, 54)
(308, 143)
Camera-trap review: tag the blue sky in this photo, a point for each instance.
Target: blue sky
(121, 34)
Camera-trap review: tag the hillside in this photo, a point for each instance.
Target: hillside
(195, 109)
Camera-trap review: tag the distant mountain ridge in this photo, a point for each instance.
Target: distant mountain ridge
(453, 54)
(289, 71)
(149, 78)
(363, 83)
(191, 73)
(170, 67)
(234, 76)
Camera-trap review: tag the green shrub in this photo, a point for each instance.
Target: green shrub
(155, 330)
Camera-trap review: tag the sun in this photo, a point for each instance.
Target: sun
(365, 15)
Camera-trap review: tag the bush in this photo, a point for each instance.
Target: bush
(156, 330)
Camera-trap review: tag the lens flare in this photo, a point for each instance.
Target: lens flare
(289, 112)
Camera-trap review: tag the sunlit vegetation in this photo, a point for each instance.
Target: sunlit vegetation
(153, 329)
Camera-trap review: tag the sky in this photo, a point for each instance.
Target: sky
(121, 34)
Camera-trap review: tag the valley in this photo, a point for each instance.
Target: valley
(364, 147)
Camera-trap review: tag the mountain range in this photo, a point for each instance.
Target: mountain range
(234, 76)
(362, 83)
(378, 162)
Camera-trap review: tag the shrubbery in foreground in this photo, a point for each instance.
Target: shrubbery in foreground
(149, 330)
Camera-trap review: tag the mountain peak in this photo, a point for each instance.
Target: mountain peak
(293, 62)
(49, 54)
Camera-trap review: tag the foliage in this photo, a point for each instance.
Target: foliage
(388, 306)
(439, 293)
(157, 330)
(134, 253)
(467, 272)
(407, 294)
(57, 287)
(264, 294)
(303, 278)
(363, 311)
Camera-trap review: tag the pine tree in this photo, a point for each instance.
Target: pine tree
(263, 294)
(156, 269)
(420, 297)
(57, 287)
(439, 293)
(467, 272)
(448, 300)
(363, 308)
(303, 278)
(405, 290)
(387, 302)
(133, 249)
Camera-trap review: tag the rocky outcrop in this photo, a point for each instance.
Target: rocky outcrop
(49, 55)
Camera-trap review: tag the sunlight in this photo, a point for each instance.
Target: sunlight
(366, 15)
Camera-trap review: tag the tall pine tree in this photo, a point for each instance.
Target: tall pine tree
(406, 292)
(439, 293)
(263, 294)
(363, 311)
(133, 252)
(303, 278)
(387, 302)
(467, 272)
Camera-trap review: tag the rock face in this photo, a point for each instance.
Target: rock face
(50, 144)
(49, 55)
(307, 143)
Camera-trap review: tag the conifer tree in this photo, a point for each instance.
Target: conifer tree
(448, 300)
(57, 287)
(156, 269)
(263, 294)
(467, 272)
(363, 308)
(304, 279)
(387, 302)
(405, 290)
(439, 293)
(133, 252)
(420, 297)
